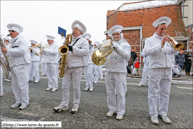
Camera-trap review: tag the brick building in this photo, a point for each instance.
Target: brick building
(137, 19)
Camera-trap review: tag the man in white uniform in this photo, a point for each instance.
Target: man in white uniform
(8, 45)
(76, 61)
(89, 68)
(19, 61)
(51, 61)
(115, 72)
(96, 67)
(1, 77)
(43, 65)
(87, 36)
(160, 55)
(145, 69)
(35, 61)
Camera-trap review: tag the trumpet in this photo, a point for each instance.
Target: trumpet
(37, 45)
(177, 46)
(40, 52)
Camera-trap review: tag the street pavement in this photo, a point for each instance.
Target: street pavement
(93, 106)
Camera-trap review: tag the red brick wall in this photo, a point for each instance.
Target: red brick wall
(145, 18)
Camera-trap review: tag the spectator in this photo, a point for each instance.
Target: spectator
(133, 55)
(180, 59)
(188, 61)
(136, 67)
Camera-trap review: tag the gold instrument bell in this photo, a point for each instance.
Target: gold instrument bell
(99, 56)
(177, 46)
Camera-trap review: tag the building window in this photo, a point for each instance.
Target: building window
(108, 19)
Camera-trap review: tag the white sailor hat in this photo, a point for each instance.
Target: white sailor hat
(15, 27)
(96, 43)
(161, 20)
(33, 41)
(8, 39)
(80, 26)
(87, 35)
(49, 37)
(116, 28)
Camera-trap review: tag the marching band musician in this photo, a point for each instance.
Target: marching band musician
(89, 68)
(35, 60)
(96, 67)
(8, 45)
(145, 69)
(100, 66)
(19, 61)
(43, 65)
(1, 77)
(115, 72)
(76, 61)
(160, 55)
(51, 61)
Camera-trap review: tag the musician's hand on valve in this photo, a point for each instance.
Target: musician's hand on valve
(163, 40)
(4, 49)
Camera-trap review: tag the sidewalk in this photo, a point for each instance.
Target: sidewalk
(183, 77)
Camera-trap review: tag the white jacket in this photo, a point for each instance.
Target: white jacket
(19, 52)
(51, 53)
(78, 57)
(34, 57)
(159, 57)
(117, 60)
(90, 55)
(145, 58)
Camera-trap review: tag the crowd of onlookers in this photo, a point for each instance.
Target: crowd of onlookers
(183, 61)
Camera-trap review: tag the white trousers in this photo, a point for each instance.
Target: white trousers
(85, 72)
(145, 74)
(115, 80)
(159, 90)
(43, 65)
(1, 81)
(126, 82)
(19, 83)
(71, 75)
(89, 80)
(96, 73)
(34, 68)
(100, 72)
(52, 74)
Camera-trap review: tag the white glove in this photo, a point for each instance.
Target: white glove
(115, 44)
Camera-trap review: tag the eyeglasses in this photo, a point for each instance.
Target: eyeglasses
(11, 30)
(75, 29)
(116, 34)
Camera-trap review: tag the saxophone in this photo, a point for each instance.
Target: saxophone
(63, 50)
(4, 62)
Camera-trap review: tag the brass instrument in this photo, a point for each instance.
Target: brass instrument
(41, 50)
(99, 56)
(177, 46)
(37, 45)
(63, 50)
(4, 62)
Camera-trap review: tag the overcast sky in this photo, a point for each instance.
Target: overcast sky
(39, 18)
